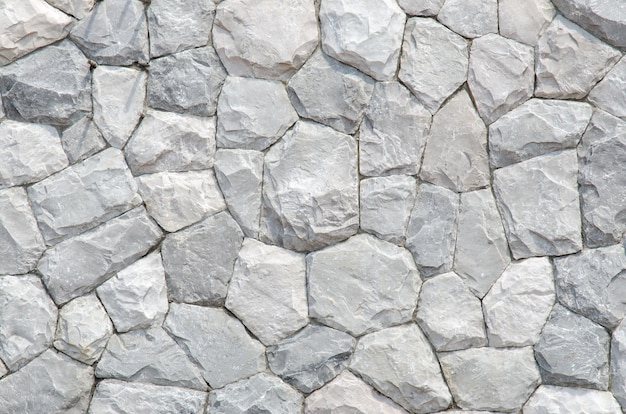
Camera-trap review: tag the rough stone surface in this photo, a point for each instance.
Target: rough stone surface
(562, 400)
(470, 18)
(618, 364)
(76, 8)
(610, 93)
(524, 21)
(421, 7)
(82, 140)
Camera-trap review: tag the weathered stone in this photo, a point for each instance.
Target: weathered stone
(167, 141)
(312, 357)
(570, 61)
(539, 203)
(519, 303)
(434, 61)
(217, 342)
(188, 82)
(265, 39)
(76, 8)
(27, 321)
(82, 140)
(389, 359)
(393, 132)
(83, 196)
(456, 154)
(97, 255)
(537, 127)
(618, 364)
(331, 93)
(573, 351)
(136, 298)
(302, 208)
(432, 229)
(83, 329)
(483, 379)
(470, 18)
(421, 7)
(115, 32)
(610, 93)
(562, 400)
(199, 260)
(524, 21)
(3, 369)
(501, 75)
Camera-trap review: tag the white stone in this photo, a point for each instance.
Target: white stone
(610, 93)
(76, 8)
(563, 400)
(618, 364)
(421, 7)
(524, 20)
(470, 18)
(82, 140)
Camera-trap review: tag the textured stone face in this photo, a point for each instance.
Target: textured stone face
(470, 18)
(76, 8)
(524, 21)
(565, 400)
(421, 7)
(618, 363)
(82, 140)
(610, 93)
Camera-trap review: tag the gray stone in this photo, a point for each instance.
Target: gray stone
(302, 208)
(83, 196)
(216, 342)
(573, 351)
(115, 32)
(434, 61)
(253, 113)
(331, 93)
(389, 360)
(312, 357)
(610, 93)
(601, 297)
(393, 132)
(82, 140)
(3, 369)
(136, 297)
(562, 400)
(188, 82)
(265, 39)
(450, 315)
(27, 321)
(501, 75)
(83, 329)
(456, 154)
(421, 7)
(539, 203)
(199, 260)
(97, 255)
(483, 379)
(362, 285)
(519, 303)
(470, 18)
(167, 141)
(570, 61)
(618, 364)
(537, 127)
(432, 229)
(76, 8)
(524, 21)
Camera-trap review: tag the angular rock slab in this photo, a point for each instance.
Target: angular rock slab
(76, 8)
(265, 39)
(470, 18)
(618, 364)
(564, 400)
(421, 7)
(524, 21)
(82, 140)
(610, 93)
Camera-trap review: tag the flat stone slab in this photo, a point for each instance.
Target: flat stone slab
(609, 94)
(524, 21)
(470, 18)
(618, 364)
(567, 400)
(82, 140)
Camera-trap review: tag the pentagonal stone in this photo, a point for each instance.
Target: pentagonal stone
(610, 93)
(83, 196)
(265, 39)
(565, 400)
(519, 303)
(302, 208)
(312, 357)
(434, 61)
(253, 113)
(114, 33)
(537, 127)
(76, 8)
(27, 321)
(618, 364)
(524, 21)
(82, 140)
(331, 93)
(60, 94)
(573, 351)
(136, 297)
(83, 329)
(570, 61)
(188, 82)
(389, 359)
(456, 154)
(470, 18)
(199, 260)
(538, 199)
(362, 285)
(167, 141)
(217, 342)
(480, 378)
(393, 133)
(421, 7)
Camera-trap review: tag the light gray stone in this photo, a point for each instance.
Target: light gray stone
(539, 203)
(421, 7)
(610, 93)
(501, 75)
(483, 379)
(253, 113)
(82, 140)
(470, 18)
(573, 351)
(302, 208)
(265, 39)
(216, 342)
(524, 21)
(389, 359)
(393, 133)
(331, 93)
(434, 61)
(312, 357)
(618, 364)
(3, 369)
(570, 61)
(27, 320)
(199, 260)
(562, 400)
(456, 154)
(76, 8)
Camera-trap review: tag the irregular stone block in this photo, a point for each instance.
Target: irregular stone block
(76, 8)
(82, 140)
(470, 18)
(421, 7)
(564, 400)
(618, 364)
(610, 93)
(524, 21)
